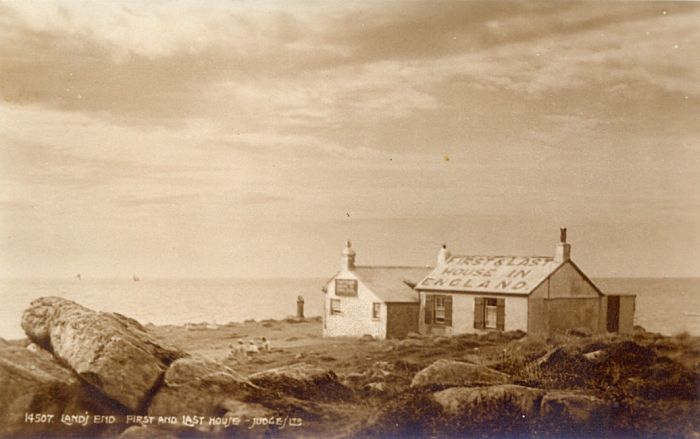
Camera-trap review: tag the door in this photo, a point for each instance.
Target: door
(613, 314)
(402, 318)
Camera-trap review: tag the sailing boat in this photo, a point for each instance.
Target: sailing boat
(136, 278)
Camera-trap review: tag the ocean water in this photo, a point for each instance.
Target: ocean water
(166, 301)
(664, 305)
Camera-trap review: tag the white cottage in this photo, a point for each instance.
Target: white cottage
(535, 294)
(379, 301)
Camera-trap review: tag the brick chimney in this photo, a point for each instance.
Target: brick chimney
(563, 250)
(347, 260)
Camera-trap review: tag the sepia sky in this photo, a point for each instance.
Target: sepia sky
(212, 138)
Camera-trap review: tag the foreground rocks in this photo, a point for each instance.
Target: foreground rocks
(87, 363)
(303, 381)
(493, 401)
(102, 363)
(630, 368)
(33, 384)
(574, 408)
(200, 387)
(510, 400)
(113, 353)
(583, 386)
(450, 373)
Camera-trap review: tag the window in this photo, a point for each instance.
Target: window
(490, 317)
(489, 313)
(335, 306)
(438, 309)
(376, 309)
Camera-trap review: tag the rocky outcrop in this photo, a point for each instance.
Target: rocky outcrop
(631, 368)
(639, 371)
(596, 357)
(563, 367)
(198, 386)
(450, 373)
(36, 391)
(410, 342)
(509, 400)
(376, 387)
(113, 353)
(481, 402)
(573, 408)
(303, 381)
(562, 358)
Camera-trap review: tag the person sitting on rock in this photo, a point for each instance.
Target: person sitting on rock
(253, 348)
(265, 344)
(237, 351)
(241, 351)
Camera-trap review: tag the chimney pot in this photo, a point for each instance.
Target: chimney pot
(347, 260)
(563, 251)
(443, 255)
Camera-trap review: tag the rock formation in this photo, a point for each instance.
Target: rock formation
(481, 402)
(36, 391)
(112, 352)
(302, 381)
(572, 407)
(450, 373)
(199, 387)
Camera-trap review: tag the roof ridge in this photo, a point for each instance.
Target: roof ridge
(502, 256)
(422, 267)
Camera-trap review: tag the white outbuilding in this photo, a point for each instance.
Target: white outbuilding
(379, 301)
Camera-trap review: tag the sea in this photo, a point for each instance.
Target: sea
(666, 305)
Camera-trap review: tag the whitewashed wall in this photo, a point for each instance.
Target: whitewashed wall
(356, 318)
(463, 314)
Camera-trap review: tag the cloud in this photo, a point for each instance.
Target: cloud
(132, 61)
(320, 63)
(157, 29)
(150, 119)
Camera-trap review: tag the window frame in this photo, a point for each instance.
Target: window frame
(439, 305)
(490, 304)
(444, 302)
(336, 310)
(480, 313)
(376, 310)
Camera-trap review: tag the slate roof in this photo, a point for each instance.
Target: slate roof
(392, 284)
(490, 274)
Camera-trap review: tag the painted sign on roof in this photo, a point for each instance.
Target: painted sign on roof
(495, 274)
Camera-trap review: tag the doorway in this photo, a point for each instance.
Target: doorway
(613, 314)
